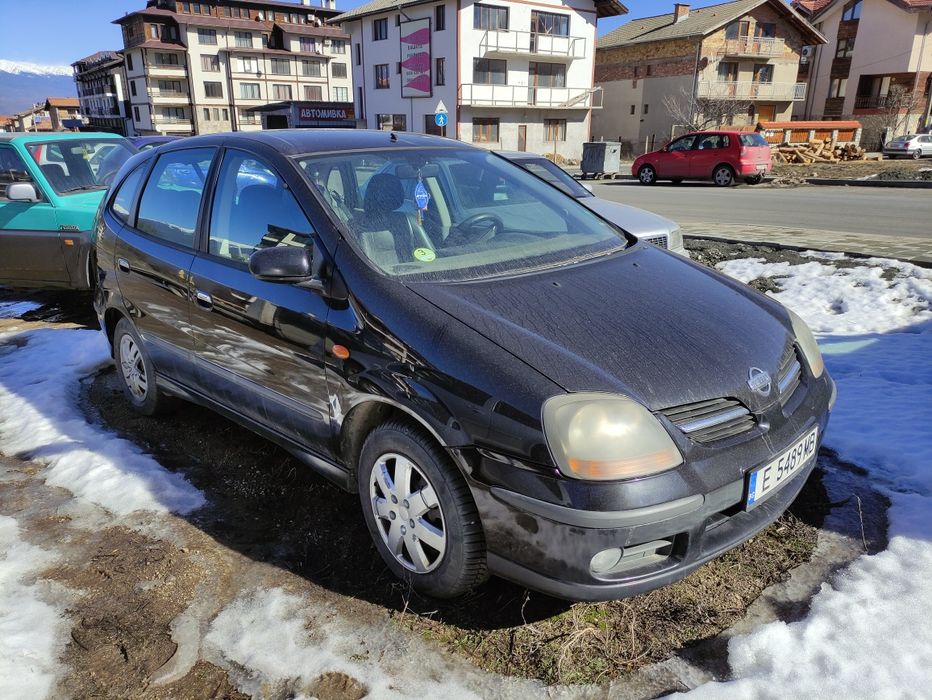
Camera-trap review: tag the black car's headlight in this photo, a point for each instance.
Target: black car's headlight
(603, 437)
(808, 344)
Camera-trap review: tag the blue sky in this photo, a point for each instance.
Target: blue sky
(62, 31)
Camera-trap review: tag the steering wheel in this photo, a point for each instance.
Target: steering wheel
(477, 228)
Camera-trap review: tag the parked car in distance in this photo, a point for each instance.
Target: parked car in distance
(146, 142)
(511, 383)
(50, 188)
(647, 226)
(913, 146)
(720, 156)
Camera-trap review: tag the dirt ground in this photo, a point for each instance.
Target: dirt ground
(267, 513)
(854, 169)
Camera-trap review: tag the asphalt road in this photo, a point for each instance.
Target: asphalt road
(878, 211)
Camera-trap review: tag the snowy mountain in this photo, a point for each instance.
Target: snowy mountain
(22, 84)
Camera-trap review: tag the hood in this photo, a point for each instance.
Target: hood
(635, 221)
(644, 323)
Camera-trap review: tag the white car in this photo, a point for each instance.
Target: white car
(645, 225)
(913, 146)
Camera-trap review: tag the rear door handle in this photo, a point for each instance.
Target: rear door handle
(123, 264)
(203, 299)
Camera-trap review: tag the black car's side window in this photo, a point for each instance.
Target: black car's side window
(12, 169)
(122, 204)
(170, 202)
(253, 208)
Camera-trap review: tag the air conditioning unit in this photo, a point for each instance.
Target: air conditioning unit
(805, 54)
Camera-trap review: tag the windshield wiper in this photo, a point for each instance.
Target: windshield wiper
(83, 188)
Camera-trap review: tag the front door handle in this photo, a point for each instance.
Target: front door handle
(123, 264)
(203, 299)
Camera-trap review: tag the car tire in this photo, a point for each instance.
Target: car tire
(647, 175)
(754, 180)
(723, 176)
(916, 155)
(136, 371)
(677, 180)
(427, 530)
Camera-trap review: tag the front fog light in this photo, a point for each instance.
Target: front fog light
(603, 437)
(808, 344)
(606, 560)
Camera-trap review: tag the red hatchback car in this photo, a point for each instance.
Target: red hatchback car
(720, 156)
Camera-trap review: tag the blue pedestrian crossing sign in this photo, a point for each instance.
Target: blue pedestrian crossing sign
(440, 119)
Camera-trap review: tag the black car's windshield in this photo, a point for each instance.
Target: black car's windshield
(550, 172)
(449, 214)
(80, 165)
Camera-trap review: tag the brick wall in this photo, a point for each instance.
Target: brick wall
(660, 59)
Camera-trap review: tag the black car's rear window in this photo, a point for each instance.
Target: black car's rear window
(753, 139)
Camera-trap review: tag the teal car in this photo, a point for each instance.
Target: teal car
(50, 188)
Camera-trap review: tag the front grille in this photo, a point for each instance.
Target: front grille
(789, 374)
(659, 241)
(708, 421)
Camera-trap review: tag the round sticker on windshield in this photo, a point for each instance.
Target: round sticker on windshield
(425, 254)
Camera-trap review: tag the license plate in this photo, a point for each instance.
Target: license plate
(764, 480)
(762, 167)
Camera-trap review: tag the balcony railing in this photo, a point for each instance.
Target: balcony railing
(532, 44)
(754, 46)
(169, 94)
(750, 90)
(870, 101)
(476, 95)
(160, 119)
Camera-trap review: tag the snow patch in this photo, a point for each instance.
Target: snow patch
(15, 309)
(29, 627)
(21, 67)
(40, 373)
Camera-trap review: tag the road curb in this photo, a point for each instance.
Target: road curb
(916, 184)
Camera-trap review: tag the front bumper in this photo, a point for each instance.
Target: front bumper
(665, 531)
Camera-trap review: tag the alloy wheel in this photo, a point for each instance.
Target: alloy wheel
(407, 513)
(723, 177)
(133, 368)
(647, 175)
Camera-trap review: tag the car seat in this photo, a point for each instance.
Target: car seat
(387, 236)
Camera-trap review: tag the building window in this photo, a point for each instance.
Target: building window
(243, 40)
(550, 23)
(247, 117)
(738, 30)
(136, 114)
(845, 48)
(341, 94)
(838, 87)
(129, 61)
(646, 108)
(166, 59)
(313, 93)
(212, 89)
(391, 122)
(338, 46)
(154, 31)
(766, 30)
(548, 75)
(485, 130)
(763, 73)
(379, 29)
(250, 91)
(397, 20)
(169, 87)
(440, 18)
(132, 87)
(339, 70)
(440, 72)
(310, 68)
(633, 109)
(358, 54)
(210, 64)
(308, 45)
(490, 17)
(281, 66)
(207, 113)
(852, 11)
(246, 64)
(554, 130)
(381, 76)
(281, 92)
(207, 36)
(489, 71)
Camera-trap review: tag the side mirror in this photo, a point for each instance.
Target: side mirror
(281, 264)
(21, 192)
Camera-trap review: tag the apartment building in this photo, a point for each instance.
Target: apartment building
(874, 47)
(511, 74)
(746, 52)
(205, 67)
(100, 80)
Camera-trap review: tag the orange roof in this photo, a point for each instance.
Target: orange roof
(811, 125)
(62, 102)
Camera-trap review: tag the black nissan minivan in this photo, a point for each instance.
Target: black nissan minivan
(512, 384)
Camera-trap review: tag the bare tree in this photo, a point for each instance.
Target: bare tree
(700, 113)
(896, 108)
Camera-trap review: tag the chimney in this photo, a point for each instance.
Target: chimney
(680, 11)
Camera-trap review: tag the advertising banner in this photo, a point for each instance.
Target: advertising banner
(415, 58)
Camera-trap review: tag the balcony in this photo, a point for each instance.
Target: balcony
(172, 124)
(165, 97)
(517, 43)
(524, 97)
(165, 69)
(755, 46)
(871, 101)
(750, 90)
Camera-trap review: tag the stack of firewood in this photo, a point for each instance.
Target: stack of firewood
(817, 151)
